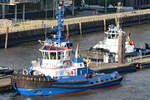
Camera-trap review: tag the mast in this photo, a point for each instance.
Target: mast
(59, 27)
(77, 50)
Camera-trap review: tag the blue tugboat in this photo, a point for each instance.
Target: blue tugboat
(56, 73)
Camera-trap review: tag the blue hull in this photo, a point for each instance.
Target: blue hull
(59, 91)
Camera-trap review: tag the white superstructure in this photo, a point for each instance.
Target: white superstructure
(56, 61)
(110, 41)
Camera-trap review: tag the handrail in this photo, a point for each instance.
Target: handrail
(37, 24)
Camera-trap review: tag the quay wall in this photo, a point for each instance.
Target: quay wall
(20, 37)
(85, 27)
(99, 25)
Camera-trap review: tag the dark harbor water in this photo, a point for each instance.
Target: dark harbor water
(135, 86)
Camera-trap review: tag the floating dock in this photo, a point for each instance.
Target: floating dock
(138, 63)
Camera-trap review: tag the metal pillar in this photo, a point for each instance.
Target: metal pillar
(23, 14)
(41, 4)
(105, 6)
(53, 9)
(72, 7)
(3, 11)
(15, 13)
(46, 9)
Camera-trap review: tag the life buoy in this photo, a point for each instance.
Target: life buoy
(24, 72)
(131, 42)
(71, 72)
(86, 75)
(88, 61)
(68, 73)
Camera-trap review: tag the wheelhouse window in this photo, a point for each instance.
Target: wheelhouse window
(117, 35)
(53, 55)
(62, 55)
(59, 55)
(113, 36)
(108, 36)
(46, 55)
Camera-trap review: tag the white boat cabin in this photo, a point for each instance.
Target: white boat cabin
(56, 62)
(110, 41)
(54, 59)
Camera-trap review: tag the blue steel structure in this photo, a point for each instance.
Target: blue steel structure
(59, 27)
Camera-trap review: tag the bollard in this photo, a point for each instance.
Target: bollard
(6, 38)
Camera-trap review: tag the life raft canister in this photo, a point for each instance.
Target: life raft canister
(131, 42)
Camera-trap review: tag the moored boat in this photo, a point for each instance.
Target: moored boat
(56, 73)
(111, 39)
(109, 47)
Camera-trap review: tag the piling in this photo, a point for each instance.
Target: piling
(104, 24)
(67, 29)
(80, 27)
(121, 48)
(6, 38)
(117, 22)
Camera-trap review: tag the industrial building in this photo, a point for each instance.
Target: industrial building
(137, 4)
(30, 9)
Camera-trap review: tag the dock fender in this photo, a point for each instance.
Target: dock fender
(138, 65)
(13, 80)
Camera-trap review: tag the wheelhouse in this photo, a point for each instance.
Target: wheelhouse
(50, 52)
(112, 32)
